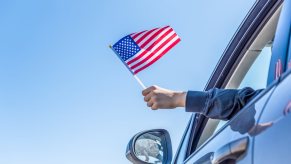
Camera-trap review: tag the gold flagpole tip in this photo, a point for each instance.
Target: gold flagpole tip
(110, 46)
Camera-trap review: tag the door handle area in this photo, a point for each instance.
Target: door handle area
(230, 151)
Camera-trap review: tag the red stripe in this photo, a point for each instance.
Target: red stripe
(158, 57)
(145, 35)
(154, 52)
(153, 36)
(151, 46)
(160, 39)
(137, 34)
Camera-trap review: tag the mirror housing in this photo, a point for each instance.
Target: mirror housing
(150, 147)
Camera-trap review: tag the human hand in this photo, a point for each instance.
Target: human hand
(160, 98)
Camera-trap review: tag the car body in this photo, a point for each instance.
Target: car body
(258, 56)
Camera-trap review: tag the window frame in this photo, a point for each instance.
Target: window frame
(182, 148)
(278, 64)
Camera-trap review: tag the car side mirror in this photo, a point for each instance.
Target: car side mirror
(150, 147)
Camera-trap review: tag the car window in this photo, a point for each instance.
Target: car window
(257, 75)
(253, 68)
(251, 71)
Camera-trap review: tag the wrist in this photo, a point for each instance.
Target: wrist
(180, 99)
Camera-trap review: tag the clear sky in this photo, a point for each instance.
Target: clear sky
(65, 98)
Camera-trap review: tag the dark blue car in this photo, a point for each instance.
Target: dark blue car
(258, 56)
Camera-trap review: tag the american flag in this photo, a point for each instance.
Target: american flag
(140, 50)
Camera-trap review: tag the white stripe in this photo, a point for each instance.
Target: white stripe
(152, 50)
(147, 37)
(134, 34)
(156, 38)
(157, 54)
(140, 35)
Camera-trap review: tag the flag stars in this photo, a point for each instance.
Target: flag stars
(126, 48)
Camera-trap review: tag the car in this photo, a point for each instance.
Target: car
(258, 56)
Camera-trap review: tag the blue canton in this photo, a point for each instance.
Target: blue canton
(126, 48)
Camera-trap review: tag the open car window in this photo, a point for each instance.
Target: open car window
(251, 70)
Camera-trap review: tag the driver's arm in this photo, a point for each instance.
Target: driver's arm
(215, 103)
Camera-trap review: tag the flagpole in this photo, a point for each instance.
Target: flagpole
(135, 76)
(139, 81)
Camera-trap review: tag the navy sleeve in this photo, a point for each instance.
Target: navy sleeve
(219, 103)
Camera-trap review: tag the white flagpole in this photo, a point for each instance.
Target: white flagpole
(136, 78)
(140, 82)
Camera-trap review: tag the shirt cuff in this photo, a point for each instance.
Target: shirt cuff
(195, 101)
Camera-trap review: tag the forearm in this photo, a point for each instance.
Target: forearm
(180, 99)
(219, 103)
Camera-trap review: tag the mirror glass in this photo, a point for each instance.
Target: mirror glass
(149, 147)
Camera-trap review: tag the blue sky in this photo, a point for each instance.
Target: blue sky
(64, 95)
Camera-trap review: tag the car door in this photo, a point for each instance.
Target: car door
(273, 145)
(233, 142)
(219, 141)
(181, 153)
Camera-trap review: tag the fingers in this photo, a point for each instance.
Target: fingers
(152, 103)
(148, 96)
(148, 90)
(154, 107)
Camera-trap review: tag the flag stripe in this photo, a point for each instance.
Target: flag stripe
(152, 47)
(146, 38)
(140, 35)
(145, 35)
(153, 38)
(134, 35)
(155, 54)
(158, 57)
(153, 44)
(145, 58)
